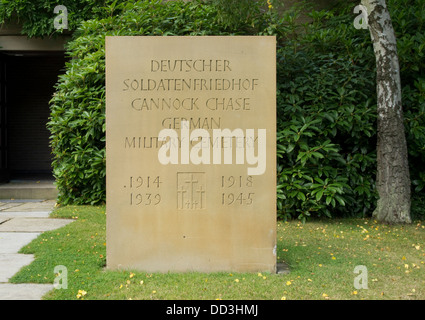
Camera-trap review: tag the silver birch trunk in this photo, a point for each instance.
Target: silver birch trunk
(393, 179)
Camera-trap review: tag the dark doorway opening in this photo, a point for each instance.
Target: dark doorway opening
(27, 84)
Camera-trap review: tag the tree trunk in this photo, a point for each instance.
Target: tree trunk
(393, 179)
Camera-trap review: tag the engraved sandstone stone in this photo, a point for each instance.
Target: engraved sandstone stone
(191, 140)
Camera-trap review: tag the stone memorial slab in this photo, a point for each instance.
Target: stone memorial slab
(191, 153)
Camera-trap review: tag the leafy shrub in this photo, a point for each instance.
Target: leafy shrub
(326, 123)
(77, 122)
(37, 16)
(327, 111)
(326, 100)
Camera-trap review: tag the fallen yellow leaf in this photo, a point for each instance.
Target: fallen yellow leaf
(81, 293)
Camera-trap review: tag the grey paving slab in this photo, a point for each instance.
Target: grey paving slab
(11, 263)
(30, 206)
(24, 214)
(33, 224)
(24, 291)
(12, 242)
(21, 221)
(20, 201)
(9, 205)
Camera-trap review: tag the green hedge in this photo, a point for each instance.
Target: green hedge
(77, 122)
(327, 113)
(36, 16)
(326, 100)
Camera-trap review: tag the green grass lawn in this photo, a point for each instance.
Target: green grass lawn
(322, 256)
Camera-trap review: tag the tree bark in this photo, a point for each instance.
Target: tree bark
(393, 179)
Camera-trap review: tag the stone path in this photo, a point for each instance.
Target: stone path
(21, 221)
